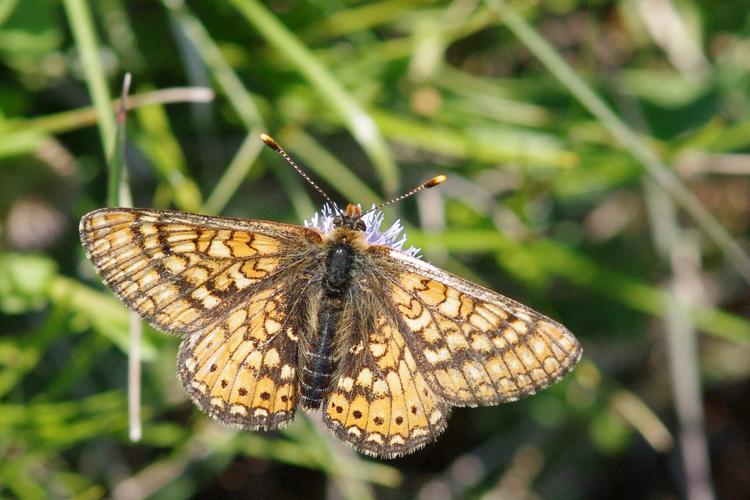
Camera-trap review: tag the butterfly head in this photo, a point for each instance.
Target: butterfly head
(351, 218)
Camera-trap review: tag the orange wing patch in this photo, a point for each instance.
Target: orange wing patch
(382, 404)
(481, 347)
(242, 371)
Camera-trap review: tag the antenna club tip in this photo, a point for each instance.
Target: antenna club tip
(438, 179)
(270, 142)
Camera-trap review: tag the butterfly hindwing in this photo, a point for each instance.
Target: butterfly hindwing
(381, 403)
(480, 347)
(242, 370)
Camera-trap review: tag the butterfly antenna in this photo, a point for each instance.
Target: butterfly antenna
(437, 180)
(275, 146)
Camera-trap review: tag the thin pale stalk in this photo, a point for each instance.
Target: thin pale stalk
(119, 187)
(682, 254)
(82, 27)
(66, 121)
(134, 378)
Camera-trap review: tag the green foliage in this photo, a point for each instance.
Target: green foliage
(598, 171)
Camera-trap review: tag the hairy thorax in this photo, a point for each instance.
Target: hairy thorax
(346, 236)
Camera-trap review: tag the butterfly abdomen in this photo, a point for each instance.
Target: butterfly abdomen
(320, 363)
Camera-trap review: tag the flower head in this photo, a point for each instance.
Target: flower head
(391, 237)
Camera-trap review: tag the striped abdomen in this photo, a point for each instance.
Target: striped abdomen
(319, 365)
(319, 360)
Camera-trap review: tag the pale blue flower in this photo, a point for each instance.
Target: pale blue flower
(392, 237)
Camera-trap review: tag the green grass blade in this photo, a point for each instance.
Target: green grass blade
(627, 138)
(358, 121)
(329, 168)
(82, 26)
(234, 174)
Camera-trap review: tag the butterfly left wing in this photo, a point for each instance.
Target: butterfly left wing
(479, 347)
(230, 286)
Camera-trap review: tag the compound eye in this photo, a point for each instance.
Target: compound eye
(361, 225)
(338, 221)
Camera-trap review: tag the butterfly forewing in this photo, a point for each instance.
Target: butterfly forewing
(480, 347)
(181, 271)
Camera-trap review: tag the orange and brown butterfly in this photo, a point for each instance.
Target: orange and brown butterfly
(333, 315)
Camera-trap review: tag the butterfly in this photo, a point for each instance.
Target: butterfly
(333, 316)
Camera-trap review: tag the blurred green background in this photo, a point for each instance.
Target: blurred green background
(598, 158)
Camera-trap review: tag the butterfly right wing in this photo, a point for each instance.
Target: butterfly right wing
(480, 347)
(381, 403)
(226, 284)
